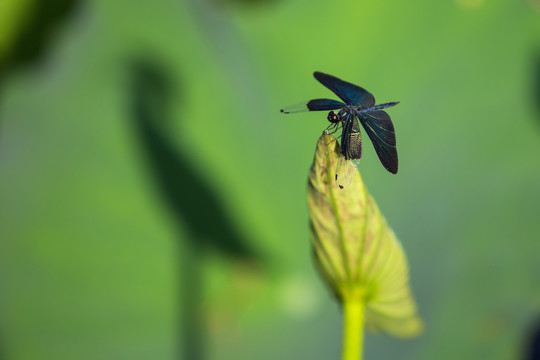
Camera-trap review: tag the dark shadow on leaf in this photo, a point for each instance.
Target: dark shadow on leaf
(193, 201)
(195, 205)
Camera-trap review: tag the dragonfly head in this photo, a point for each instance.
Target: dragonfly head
(333, 118)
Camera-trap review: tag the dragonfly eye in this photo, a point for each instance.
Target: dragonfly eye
(332, 117)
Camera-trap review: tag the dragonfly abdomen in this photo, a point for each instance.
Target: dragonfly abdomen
(351, 141)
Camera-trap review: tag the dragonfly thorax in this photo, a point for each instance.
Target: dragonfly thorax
(343, 113)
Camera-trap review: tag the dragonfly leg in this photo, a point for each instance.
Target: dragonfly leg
(333, 128)
(329, 127)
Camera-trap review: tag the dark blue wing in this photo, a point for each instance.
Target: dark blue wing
(380, 130)
(350, 93)
(314, 105)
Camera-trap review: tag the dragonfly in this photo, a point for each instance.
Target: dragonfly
(358, 107)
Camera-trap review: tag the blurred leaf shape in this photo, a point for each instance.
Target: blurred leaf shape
(27, 27)
(12, 16)
(355, 250)
(191, 197)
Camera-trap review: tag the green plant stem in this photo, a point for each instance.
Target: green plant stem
(353, 329)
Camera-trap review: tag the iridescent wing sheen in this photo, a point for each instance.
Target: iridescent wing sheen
(350, 93)
(380, 130)
(314, 105)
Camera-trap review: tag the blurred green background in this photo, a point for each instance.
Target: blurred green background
(152, 197)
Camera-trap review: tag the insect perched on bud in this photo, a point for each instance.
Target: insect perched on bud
(358, 108)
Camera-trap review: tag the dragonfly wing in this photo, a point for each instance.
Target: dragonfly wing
(351, 140)
(314, 105)
(345, 171)
(380, 130)
(350, 93)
